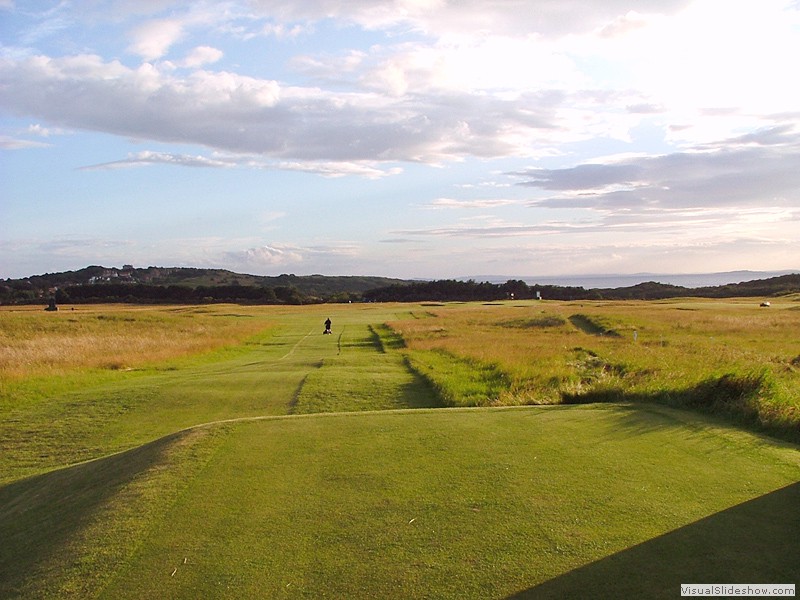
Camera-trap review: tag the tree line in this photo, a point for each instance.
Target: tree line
(450, 290)
(140, 293)
(446, 290)
(184, 284)
(467, 291)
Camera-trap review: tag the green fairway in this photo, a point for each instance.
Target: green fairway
(347, 381)
(451, 504)
(291, 367)
(207, 480)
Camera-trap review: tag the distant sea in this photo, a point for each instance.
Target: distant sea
(694, 280)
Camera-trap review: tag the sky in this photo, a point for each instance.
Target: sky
(400, 138)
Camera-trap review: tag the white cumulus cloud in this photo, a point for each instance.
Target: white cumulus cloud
(202, 55)
(153, 39)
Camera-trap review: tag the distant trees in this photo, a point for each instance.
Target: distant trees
(177, 294)
(182, 285)
(467, 291)
(291, 289)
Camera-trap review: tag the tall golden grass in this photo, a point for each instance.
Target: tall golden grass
(38, 343)
(660, 351)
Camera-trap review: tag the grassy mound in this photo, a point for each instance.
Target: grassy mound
(66, 533)
(452, 504)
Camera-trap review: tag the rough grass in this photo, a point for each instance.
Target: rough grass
(34, 342)
(460, 381)
(677, 352)
(122, 410)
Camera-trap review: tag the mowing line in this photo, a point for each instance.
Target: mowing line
(682, 416)
(346, 413)
(292, 406)
(300, 341)
(354, 413)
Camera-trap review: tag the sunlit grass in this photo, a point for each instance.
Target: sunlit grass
(452, 504)
(199, 482)
(266, 362)
(550, 352)
(37, 343)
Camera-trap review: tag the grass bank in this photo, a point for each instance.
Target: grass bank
(464, 504)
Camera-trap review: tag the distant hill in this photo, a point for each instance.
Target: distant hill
(614, 281)
(650, 290)
(183, 284)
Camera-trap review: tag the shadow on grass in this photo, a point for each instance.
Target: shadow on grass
(753, 542)
(419, 394)
(385, 338)
(737, 398)
(632, 420)
(41, 516)
(592, 326)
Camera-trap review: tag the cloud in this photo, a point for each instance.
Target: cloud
(741, 188)
(398, 241)
(269, 257)
(283, 31)
(70, 252)
(451, 203)
(453, 92)
(336, 169)
(324, 169)
(645, 108)
(659, 224)
(548, 257)
(153, 39)
(623, 24)
(581, 177)
(490, 226)
(236, 113)
(10, 143)
(64, 252)
(41, 131)
(44, 24)
(448, 17)
(757, 169)
(202, 55)
(84, 91)
(461, 65)
(147, 157)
